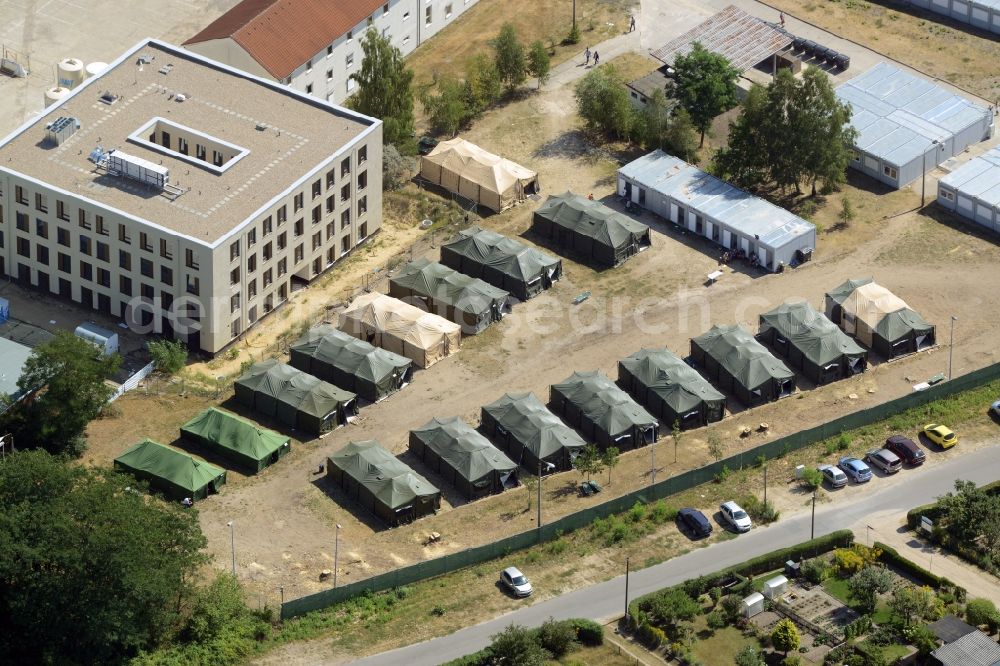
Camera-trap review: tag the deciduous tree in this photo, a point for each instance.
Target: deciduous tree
(448, 109)
(610, 459)
(588, 461)
(483, 85)
(865, 586)
(672, 607)
(705, 85)
(785, 636)
(603, 103)
(168, 355)
(511, 61)
(517, 646)
(385, 90)
(539, 63)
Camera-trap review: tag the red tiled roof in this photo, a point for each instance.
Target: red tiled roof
(283, 34)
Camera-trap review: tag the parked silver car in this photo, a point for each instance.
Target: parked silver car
(885, 460)
(515, 581)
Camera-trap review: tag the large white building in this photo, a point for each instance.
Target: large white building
(184, 196)
(315, 45)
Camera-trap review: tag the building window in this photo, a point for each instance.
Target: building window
(103, 253)
(950, 196)
(22, 222)
(190, 259)
(85, 245)
(299, 227)
(331, 203)
(234, 302)
(86, 271)
(41, 203)
(42, 254)
(345, 245)
(282, 240)
(345, 192)
(124, 260)
(123, 236)
(350, 35)
(251, 289)
(330, 178)
(317, 213)
(345, 166)
(317, 240)
(147, 292)
(362, 154)
(193, 285)
(329, 75)
(24, 247)
(406, 16)
(167, 276)
(362, 205)
(329, 50)
(345, 219)
(855, 156)
(362, 231)
(251, 237)
(20, 196)
(889, 171)
(61, 211)
(146, 267)
(350, 85)
(125, 285)
(309, 66)
(64, 262)
(81, 217)
(331, 230)
(406, 39)
(447, 11)
(300, 253)
(102, 229)
(385, 9)
(165, 249)
(182, 145)
(362, 180)
(234, 276)
(267, 226)
(234, 251)
(298, 202)
(266, 278)
(266, 252)
(234, 329)
(104, 278)
(427, 16)
(309, 89)
(349, 60)
(144, 242)
(41, 228)
(251, 263)
(282, 267)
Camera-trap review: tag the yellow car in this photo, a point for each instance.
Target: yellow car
(940, 435)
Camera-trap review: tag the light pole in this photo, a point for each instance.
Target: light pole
(548, 467)
(765, 485)
(951, 344)
(574, 15)
(923, 174)
(626, 587)
(868, 535)
(812, 526)
(336, 555)
(232, 543)
(652, 465)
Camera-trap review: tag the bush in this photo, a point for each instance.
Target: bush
(557, 637)
(397, 169)
(815, 570)
(722, 474)
(761, 512)
(573, 37)
(588, 632)
(844, 442)
(662, 513)
(169, 356)
(812, 478)
(650, 636)
(716, 619)
(847, 562)
(980, 611)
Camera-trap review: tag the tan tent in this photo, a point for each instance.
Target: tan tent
(401, 328)
(865, 308)
(468, 170)
(878, 318)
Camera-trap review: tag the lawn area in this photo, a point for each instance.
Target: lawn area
(721, 648)
(894, 652)
(603, 655)
(837, 588)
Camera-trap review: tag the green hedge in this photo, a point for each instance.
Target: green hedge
(892, 557)
(934, 512)
(776, 559)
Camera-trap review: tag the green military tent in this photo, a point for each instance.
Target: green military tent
(602, 412)
(811, 342)
(295, 398)
(466, 459)
(351, 364)
(735, 362)
(878, 318)
(381, 483)
(523, 427)
(520, 270)
(237, 439)
(447, 293)
(670, 389)
(590, 229)
(173, 472)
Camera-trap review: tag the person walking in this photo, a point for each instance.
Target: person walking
(586, 55)
(631, 22)
(597, 59)
(781, 17)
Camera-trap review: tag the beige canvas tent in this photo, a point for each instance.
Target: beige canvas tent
(878, 318)
(401, 328)
(865, 308)
(468, 170)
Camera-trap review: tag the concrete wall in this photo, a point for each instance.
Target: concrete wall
(231, 53)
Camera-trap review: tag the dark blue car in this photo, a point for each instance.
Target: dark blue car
(695, 522)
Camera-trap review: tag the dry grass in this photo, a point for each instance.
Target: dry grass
(472, 32)
(926, 41)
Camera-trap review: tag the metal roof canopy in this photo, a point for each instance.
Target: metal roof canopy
(716, 199)
(978, 178)
(743, 39)
(899, 116)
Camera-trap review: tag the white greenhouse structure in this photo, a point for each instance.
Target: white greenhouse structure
(907, 124)
(973, 190)
(710, 207)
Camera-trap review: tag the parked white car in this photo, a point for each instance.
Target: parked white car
(737, 518)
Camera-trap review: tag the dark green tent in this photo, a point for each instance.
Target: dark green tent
(466, 459)
(237, 439)
(523, 427)
(735, 362)
(381, 483)
(811, 342)
(175, 473)
(878, 319)
(447, 293)
(670, 389)
(590, 229)
(602, 412)
(351, 364)
(520, 270)
(295, 398)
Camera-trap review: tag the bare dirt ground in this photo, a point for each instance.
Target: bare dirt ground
(285, 517)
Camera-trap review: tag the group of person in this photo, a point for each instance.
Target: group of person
(587, 54)
(728, 255)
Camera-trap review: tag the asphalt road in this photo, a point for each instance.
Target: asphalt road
(607, 600)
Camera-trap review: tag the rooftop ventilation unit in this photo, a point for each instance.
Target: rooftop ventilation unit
(108, 98)
(138, 169)
(61, 129)
(166, 68)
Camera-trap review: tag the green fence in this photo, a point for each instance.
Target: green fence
(689, 479)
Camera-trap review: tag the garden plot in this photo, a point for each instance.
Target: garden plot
(820, 608)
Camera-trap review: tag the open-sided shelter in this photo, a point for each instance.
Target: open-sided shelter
(503, 262)
(463, 457)
(734, 361)
(907, 124)
(382, 483)
(237, 439)
(351, 364)
(295, 398)
(973, 189)
(811, 342)
(602, 412)
(404, 329)
(531, 434)
(467, 301)
(590, 229)
(879, 319)
(714, 209)
(670, 389)
(173, 472)
(482, 177)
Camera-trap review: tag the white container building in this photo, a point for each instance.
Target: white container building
(973, 190)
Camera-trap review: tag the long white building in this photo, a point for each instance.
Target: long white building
(315, 45)
(184, 196)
